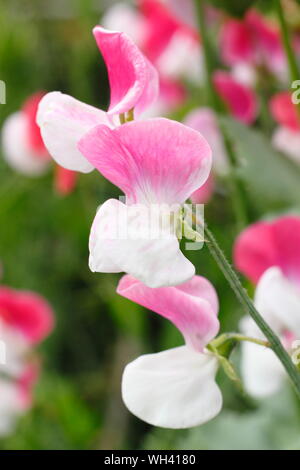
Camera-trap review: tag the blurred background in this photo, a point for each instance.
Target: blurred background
(44, 247)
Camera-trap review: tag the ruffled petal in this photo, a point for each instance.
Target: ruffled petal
(133, 80)
(154, 161)
(192, 306)
(172, 389)
(121, 241)
(63, 120)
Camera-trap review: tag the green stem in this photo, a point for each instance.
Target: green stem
(293, 66)
(250, 309)
(215, 102)
(238, 337)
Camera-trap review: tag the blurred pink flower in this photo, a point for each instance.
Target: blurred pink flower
(286, 137)
(239, 98)
(23, 146)
(156, 163)
(168, 41)
(25, 320)
(252, 41)
(175, 388)
(269, 253)
(133, 84)
(204, 121)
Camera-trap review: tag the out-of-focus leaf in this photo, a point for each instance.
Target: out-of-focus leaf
(271, 180)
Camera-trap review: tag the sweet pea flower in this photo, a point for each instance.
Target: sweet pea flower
(24, 149)
(286, 137)
(63, 120)
(25, 320)
(240, 99)
(268, 254)
(158, 164)
(175, 388)
(254, 42)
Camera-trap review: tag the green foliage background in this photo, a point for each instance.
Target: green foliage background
(44, 247)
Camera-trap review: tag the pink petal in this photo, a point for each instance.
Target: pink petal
(267, 244)
(236, 42)
(30, 108)
(240, 99)
(154, 161)
(133, 80)
(254, 250)
(65, 180)
(284, 111)
(27, 312)
(192, 306)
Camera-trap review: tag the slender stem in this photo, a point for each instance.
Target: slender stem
(249, 308)
(238, 337)
(215, 102)
(292, 62)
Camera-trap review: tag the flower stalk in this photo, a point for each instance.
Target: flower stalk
(249, 308)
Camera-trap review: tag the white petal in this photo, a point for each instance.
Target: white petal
(63, 120)
(278, 301)
(121, 241)
(172, 389)
(10, 406)
(16, 150)
(288, 142)
(262, 372)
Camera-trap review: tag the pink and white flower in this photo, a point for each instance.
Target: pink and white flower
(158, 164)
(63, 120)
(25, 320)
(268, 253)
(253, 42)
(175, 388)
(286, 137)
(24, 149)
